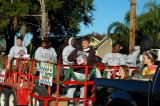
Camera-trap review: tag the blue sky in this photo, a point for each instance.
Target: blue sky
(109, 11)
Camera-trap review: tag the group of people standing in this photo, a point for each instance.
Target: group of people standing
(115, 58)
(126, 60)
(85, 56)
(76, 56)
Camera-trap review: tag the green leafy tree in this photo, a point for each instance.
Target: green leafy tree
(151, 18)
(12, 16)
(65, 16)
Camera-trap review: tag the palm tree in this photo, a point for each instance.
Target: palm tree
(120, 30)
(152, 17)
(147, 24)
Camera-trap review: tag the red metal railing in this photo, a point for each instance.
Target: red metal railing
(16, 79)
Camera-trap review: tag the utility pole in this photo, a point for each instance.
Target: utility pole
(45, 21)
(132, 25)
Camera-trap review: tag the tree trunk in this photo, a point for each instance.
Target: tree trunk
(15, 23)
(9, 34)
(11, 1)
(23, 31)
(44, 25)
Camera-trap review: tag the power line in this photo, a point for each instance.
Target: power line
(138, 8)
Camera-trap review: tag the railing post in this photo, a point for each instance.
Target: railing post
(45, 102)
(49, 90)
(15, 73)
(24, 67)
(5, 68)
(85, 85)
(19, 70)
(29, 74)
(57, 95)
(33, 75)
(114, 72)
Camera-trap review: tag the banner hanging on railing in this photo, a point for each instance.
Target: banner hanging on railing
(46, 73)
(2, 75)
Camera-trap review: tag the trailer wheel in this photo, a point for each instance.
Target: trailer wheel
(40, 91)
(118, 102)
(3, 96)
(12, 98)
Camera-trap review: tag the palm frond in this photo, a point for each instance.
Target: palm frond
(127, 18)
(117, 26)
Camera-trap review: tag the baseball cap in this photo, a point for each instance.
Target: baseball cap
(45, 39)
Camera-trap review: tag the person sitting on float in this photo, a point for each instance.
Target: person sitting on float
(123, 72)
(149, 58)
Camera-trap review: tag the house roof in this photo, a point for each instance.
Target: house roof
(95, 39)
(79, 38)
(101, 42)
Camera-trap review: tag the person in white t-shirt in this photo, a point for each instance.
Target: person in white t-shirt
(131, 58)
(41, 53)
(17, 51)
(114, 58)
(52, 53)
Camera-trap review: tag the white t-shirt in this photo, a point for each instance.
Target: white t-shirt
(113, 59)
(52, 54)
(17, 52)
(41, 54)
